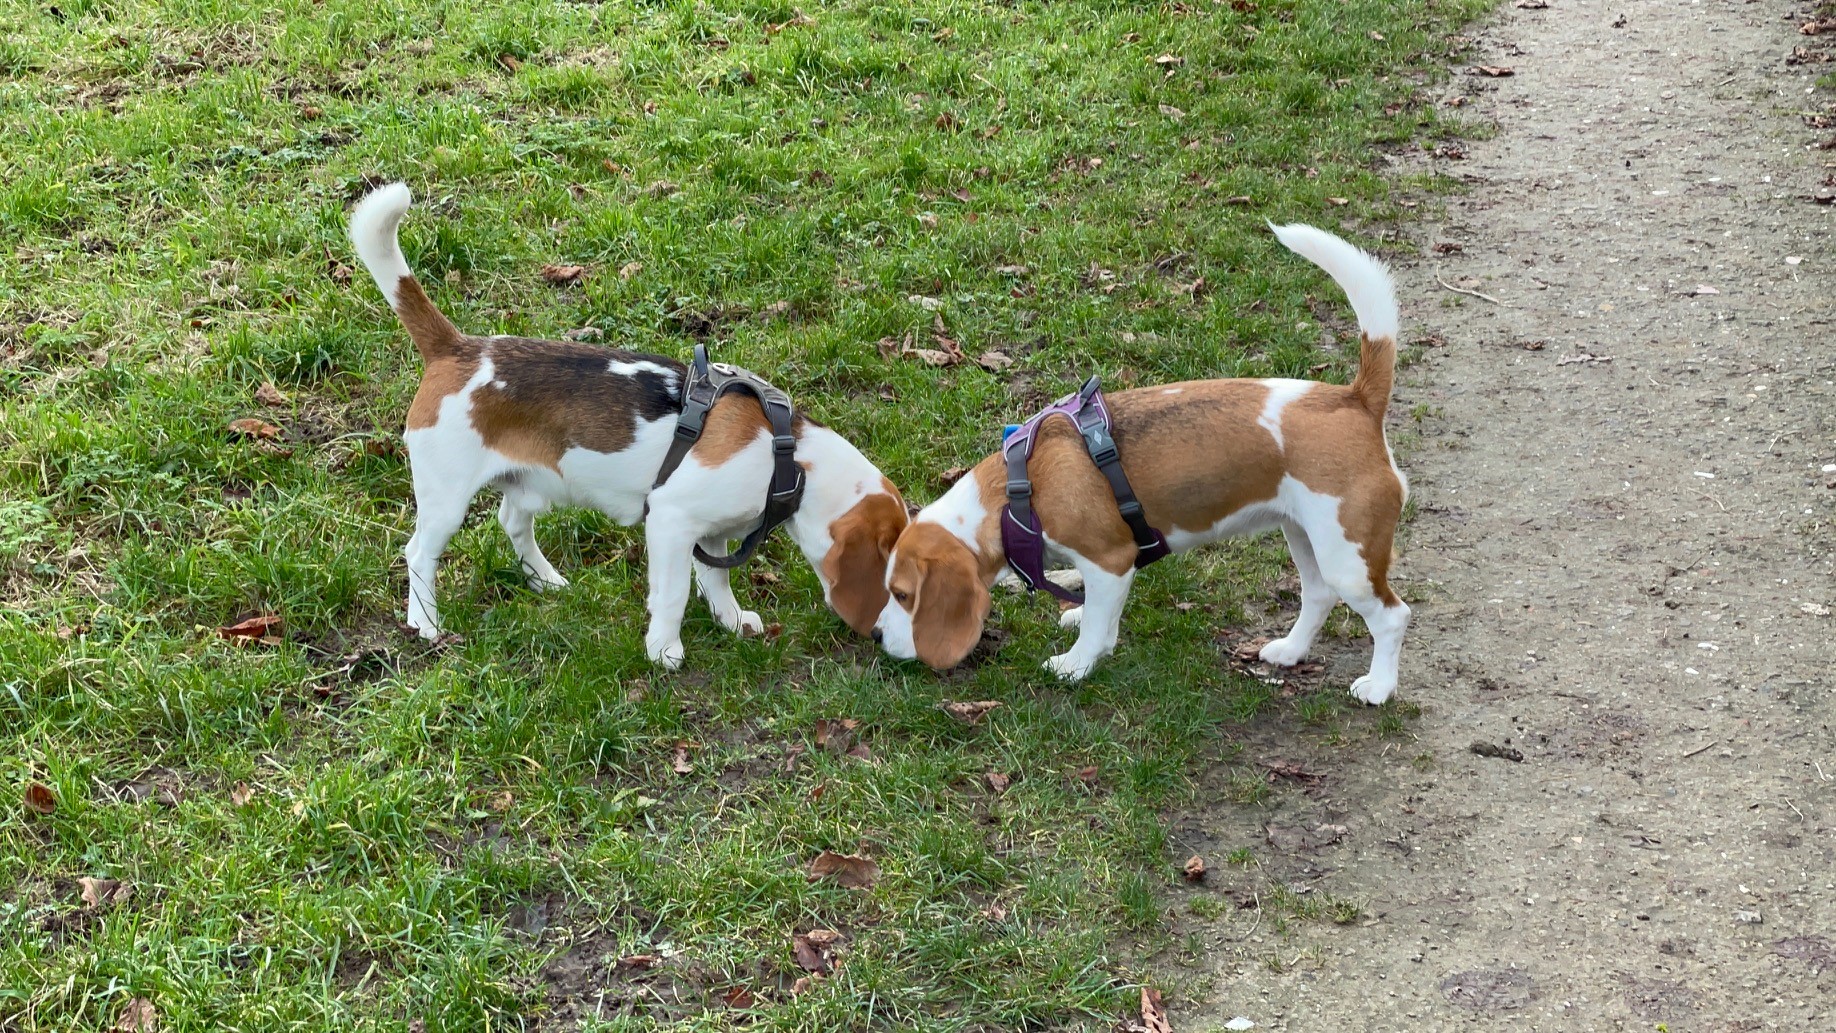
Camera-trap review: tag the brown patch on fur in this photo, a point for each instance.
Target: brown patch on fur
(855, 567)
(434, 336)
(737, 420)
(936, 579)
(546, 397)
(442, 378)
(1376, 373)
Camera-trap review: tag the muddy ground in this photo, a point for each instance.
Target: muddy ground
(1622, 567)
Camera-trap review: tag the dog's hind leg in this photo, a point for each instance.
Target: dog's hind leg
(517, 514)
(1317, 600)
(1365, 588)
(439, 510)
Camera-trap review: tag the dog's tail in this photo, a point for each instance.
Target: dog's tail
(1366, 282)
(373, 230)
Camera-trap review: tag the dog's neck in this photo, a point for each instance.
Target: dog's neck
(971, 512)
(837, 477)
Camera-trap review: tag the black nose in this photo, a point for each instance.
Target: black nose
(878, 636)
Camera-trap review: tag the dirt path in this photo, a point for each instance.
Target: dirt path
(1623, 570)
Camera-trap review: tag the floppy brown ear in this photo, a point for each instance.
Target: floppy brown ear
(856, 564)
(952, 604)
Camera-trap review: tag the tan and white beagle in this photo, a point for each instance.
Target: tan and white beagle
(1208, 459)
(558, 422)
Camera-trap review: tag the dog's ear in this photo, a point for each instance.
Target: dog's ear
(951, 606)
(856, 564)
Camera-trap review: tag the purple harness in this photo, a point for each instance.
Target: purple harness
(1021, 535)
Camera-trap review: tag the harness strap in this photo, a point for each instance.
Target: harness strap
(1023, 539)
(702, 387)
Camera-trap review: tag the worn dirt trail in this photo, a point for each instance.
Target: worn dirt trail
(1621, 568)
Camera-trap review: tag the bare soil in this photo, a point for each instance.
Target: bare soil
(1621, 565)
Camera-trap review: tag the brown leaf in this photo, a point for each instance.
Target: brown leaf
(311, 112)
(510, 62)
(241, 795)
(946, 122)
(138, 1016)
(562, 275)
(501, 802)
(1169, 60)
(1813, 27)
(836, 735)
(814, 950)
(39, 799)
(268, 394)
(1088, 775)
(681, 764)
(639, 962)
(859, 751)
(1194, 871)
(969, 713)
(630, 269)
(933, 357)
(993, 362)
(250, 428)
(1172, 112)
(851, 871)
(997, 781)
(1153, 1012)
(1495, 71)
(1239, 199)
(739, 997)
(256, 629)
(1290, 769)
(1338, 202)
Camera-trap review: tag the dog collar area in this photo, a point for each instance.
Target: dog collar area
(1022, 537)
(702, 386)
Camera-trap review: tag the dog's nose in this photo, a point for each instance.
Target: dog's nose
(879, 637)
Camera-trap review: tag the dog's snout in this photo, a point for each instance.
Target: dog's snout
(879, 637)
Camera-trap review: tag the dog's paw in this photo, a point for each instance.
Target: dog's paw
(427, 629)
(667, 655)
(746, 624)
(1071, 618)
(538, 583)
(1069, 667)
(1283, 652)
(1370, 689)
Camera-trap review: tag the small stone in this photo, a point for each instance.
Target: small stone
(1239, 1023)
(1748, 918)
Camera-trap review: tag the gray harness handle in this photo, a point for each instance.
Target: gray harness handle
(702, 386)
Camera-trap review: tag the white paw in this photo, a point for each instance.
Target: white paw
(1370, 689)
(1071, 618)
(1283, 652)
(1069, 666)
(746, 625)
(427, 629)
(548, 583)
(668, 655)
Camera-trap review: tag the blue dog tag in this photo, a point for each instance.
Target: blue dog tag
(1007, 431)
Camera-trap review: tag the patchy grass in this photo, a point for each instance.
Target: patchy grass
(472, 837)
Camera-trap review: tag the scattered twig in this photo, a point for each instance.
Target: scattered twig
(1699, 749)
(1794, 810)
(1476, 294)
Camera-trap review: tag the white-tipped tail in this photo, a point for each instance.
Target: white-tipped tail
(1364, 279)
(373, 230)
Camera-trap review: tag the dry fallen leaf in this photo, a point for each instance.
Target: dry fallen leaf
(561, 275)
(39, 799)
(836, 735)
(1194, 871)
(969, 713)
(1013, 270)
(1495, 71)
(639, 962)
(739, 997)
(1338, 202)
(1169, 60)
(630, 269)
(1290, 769)
(501, 802)
(815, 950)
(1153, 1012)
(241, 795)
(138, 1016)
(97, 892)
(1533, 5)
(681, 763)
(998, 782)
(263, 629)
(1172, 112)
(1088, 775)
(250, 428)
(851, 871)
(993, 362)
(953, 474)
(268, 394)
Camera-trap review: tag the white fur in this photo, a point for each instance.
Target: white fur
(1281, 392)
(959, 511)
(1364, 279)
(373, 231)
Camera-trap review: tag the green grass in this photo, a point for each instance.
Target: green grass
(172, 192)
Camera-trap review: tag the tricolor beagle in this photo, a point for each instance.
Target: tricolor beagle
(1207, 459)
(550, 422)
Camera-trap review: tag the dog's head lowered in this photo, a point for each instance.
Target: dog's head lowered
(854, 569)
(935, 599)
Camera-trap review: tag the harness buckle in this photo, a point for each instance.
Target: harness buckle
(783, 444)
(1130, 508)
(1019, 489)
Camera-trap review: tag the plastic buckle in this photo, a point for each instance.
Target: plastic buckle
(1091, 387)
(783, 444)
(687, 432)
(1130, 508)
(1019, 489)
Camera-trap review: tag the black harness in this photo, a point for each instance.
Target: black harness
(702, 386)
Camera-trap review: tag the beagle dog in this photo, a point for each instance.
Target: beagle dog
(558, 422)
(1207, 459)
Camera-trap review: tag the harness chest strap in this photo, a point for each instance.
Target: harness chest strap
(1022, 537)
(702, 386)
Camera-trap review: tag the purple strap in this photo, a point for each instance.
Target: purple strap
(1022, 538)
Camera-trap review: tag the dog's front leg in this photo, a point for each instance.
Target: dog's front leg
(1098, 621)
(717, 588)
(669, 543)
